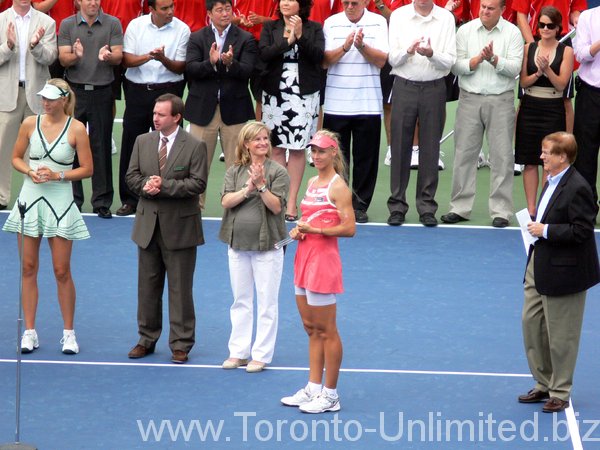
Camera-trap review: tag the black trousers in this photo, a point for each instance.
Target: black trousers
(94, 108)
(587, 132)
(362, 155)
(137, 119)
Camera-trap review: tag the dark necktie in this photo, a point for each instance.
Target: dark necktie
(162, 154)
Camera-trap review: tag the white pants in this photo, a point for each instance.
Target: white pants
(247, 270)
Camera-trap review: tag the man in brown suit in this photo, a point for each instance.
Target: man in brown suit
(167, 170)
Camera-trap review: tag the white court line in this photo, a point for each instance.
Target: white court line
(373, 224)
(571, 420)
(214, 366)
(573, 427)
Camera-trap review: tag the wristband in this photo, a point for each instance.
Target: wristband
(344, 49)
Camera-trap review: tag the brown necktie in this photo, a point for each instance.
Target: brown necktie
(162, 154)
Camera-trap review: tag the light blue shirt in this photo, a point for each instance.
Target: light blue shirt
(552, 183)
(220, 39)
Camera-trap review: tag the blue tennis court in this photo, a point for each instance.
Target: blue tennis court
(433, 354)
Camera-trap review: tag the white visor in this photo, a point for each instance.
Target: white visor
(52, 92)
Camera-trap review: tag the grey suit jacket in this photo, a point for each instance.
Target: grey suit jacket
(176, 207)
(37, 61)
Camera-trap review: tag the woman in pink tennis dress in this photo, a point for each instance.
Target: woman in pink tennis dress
(327, 214)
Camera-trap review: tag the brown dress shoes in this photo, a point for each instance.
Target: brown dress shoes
(534, 396)
(139, 351)
(555, 405)
(179, 357)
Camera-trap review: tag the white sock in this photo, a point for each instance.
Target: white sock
(331, 393)
(313, 388)
(65, 332)
(415, 148)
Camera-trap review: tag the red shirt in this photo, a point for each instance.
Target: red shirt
(322, 9)
(124, 10)
(266, 8)
(61, 10)
(192, 12)
(532, 8)
(5, 4)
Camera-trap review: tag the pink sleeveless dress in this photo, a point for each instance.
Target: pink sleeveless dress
(317, 265)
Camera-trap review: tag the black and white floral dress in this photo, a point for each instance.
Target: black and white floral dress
(291, 117)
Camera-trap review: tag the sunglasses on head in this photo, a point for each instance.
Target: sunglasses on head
(550, 26)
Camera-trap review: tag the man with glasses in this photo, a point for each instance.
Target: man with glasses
(562, 265)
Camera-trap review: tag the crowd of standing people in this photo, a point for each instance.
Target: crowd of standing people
(323, 74)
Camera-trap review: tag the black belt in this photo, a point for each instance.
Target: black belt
(21, 84)
(586, 85)
(88, 87)
(156, 86)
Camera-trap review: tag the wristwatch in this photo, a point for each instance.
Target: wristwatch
(262, 189)
(61, 176)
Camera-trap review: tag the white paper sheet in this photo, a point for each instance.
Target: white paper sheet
(524, 218)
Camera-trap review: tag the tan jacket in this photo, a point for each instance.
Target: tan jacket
(36, 63)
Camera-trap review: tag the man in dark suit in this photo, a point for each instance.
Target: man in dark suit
(561, 266)
(168, 172)
(220, 58)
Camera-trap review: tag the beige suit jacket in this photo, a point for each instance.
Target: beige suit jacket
(36, 63)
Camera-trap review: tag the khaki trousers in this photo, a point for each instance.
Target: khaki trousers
(10, 122)
(551, 332)
(229, 137)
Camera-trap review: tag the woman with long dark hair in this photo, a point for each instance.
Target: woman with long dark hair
(292, 49)
(547, 68)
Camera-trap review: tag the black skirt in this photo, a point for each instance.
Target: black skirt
(537, 118)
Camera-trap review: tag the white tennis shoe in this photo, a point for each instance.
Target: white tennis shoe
(69, 343)
(29, 341)
(299, 398)
(320, 404)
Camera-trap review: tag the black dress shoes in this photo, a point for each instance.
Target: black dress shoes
(499, 222)
(179, 357)
(2, 206)
(103, 212)
(534, 396)
(453, 218)
(126, 210)
(396, 219)
(555, 405)
(428, 219)
(139, 351)
(361, 216)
